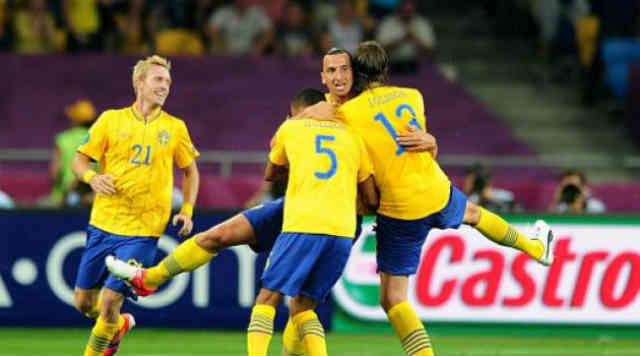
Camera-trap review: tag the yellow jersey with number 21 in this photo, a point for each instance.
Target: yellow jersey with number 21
(139, 154)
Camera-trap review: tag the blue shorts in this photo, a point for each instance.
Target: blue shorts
(266, 221)
(306, 264)
(92, 272)
(399, 242)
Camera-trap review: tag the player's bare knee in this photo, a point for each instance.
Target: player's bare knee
(471, 214)
(215, 238)
(391, 298)
(83, 304)
(268, 297)
(301, 303)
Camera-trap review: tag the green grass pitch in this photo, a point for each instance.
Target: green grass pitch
(59, 341)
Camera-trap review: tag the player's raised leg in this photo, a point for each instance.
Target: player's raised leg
(188, 256)
(496, 229)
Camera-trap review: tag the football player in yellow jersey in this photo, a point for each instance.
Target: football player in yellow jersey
(135, 148)
(327, 165)
(260, 226)
(415, 194)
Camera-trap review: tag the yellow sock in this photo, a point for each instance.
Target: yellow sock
(260, 329)
(101, 335)
(497, 230)
(291, 343)
(409, 330)
(311, 332)
(186, 257)
(95, 309)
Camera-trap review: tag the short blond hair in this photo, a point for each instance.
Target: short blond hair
(143, 65)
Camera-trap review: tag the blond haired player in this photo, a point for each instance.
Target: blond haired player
(135, 148)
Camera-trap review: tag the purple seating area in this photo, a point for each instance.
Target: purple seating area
(228, 103)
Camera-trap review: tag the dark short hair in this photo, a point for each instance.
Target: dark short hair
(371, 64)
(574, 172)
(307, 97)
(334, 51)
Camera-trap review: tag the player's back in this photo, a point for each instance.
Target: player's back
(412, 185)
(324, 160)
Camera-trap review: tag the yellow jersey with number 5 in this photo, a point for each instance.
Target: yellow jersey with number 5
(326, 162)
(139, 154)
(412, 185)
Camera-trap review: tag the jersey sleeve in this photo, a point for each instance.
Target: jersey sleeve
(366, 166)
(95, 143)
(185, 152)
(277, 155)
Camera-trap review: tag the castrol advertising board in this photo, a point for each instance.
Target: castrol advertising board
(463, 276)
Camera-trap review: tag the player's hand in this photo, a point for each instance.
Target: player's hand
(416, 140)
(187, 224)
(103, 184)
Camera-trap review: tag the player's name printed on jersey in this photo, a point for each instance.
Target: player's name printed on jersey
(325, 124)
(377, 100)
(594, 279)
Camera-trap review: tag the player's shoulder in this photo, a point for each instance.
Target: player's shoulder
(411, 92)
(173, 120)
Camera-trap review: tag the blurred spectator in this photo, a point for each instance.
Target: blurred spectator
(130, 35)
(240, 29)
(35, 30)
(346, 30)
(178, 41)
(273, 8)
(81, 114)
(479, 190)
(571, 200)
(177, 25)
(293, 37)
(564, 198)
(5, 28)
(5, 201)
(381, 8)
(82, 18)
(407, 36)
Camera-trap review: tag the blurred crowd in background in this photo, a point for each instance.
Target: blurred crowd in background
(591, 42)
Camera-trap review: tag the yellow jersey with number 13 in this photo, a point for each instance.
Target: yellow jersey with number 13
(412, 185)
(139, 154)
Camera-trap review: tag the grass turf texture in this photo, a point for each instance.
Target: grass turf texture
(49, 341)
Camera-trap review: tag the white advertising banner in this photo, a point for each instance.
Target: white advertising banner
(465, 277)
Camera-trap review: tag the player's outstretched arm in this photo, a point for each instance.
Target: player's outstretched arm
(368, 193)
(100, 183)
(416, 140)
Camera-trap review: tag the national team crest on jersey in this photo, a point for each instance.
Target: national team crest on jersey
(163, 137)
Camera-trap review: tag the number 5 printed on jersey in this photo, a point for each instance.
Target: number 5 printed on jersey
(387, 125)
(326, 151)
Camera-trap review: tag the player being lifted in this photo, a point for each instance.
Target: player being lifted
(415, 194)
(135, 147)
